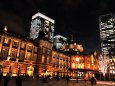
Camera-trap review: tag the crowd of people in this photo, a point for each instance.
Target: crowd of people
(18, 79)
(45, 78)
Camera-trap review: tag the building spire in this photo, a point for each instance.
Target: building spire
(71, 38)
(5, 28)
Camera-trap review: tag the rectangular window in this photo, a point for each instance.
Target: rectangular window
(21, 55)
(13, 53)
(35, 57)
(35, 49)
(44, 50)
(28, 56)
(5, 51)
(29, 49)
(6, 41)
(23, 46)
(15, 44)
(43, 58)
(47, 60)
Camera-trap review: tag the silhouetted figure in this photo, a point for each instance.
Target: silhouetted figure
(45, 79)
(85, 79)
(63, 76)
(49, 77)
(114, 79)
(1, 76)
(57, 77)
(20, 80)
(67, 78)
(17, 80)
(37, 77)
(77, 79)
(26, 77)
(6, 79)
(92, 80)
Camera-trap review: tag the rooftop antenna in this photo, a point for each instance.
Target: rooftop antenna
(71, 38)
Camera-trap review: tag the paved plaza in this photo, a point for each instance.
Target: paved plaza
(34, 82)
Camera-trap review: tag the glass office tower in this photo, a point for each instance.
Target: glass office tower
(42, 23)
(107, 34)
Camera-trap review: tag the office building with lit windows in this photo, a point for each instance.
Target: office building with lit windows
(107, 34)
(59, 41)
(107, 38)
(42, 23)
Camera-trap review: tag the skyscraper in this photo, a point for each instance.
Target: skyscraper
(107, 34)
(42, 23)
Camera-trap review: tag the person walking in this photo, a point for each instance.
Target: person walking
(92, 80)
(76, 79)
(19, 79)
(67, 78)
(85, 79)
(1, 76)
(6, 79)
(16, 80)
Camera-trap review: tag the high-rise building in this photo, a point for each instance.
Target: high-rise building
(59, 41)
(42, 23)
(107, 34)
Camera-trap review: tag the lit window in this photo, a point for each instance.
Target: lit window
(29, 48)
(28, 57)
(48, 60)
(73, 65)
(5, 52)
(14, 53)
(15, 44)
(6, 41)
(22, 55)
(43, 50)
(43, 59)
(23, 45)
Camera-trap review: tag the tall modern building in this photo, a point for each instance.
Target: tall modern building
(59, 41)
(107, 34)
(42, 23)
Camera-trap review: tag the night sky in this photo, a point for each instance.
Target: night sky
(79, 18)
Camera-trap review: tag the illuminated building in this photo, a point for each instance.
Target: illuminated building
(81, 65)
(59, 41)
(60, 64)
(31, 57)
(112, 66)
(44, 61)
(43, 23)
(107, 34)
(107, 38)
(13, 48)
(36, 56)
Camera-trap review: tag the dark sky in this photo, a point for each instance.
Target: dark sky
(72, 17)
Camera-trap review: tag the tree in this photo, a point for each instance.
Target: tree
(103, 64)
